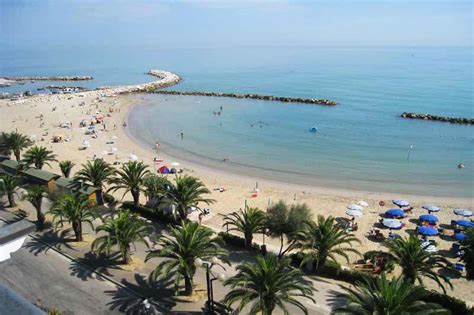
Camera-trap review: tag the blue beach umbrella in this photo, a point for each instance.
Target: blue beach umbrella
(427, 230)
(464, 223)
(401, 202)
(460, 236)
(395, 213)
(431, 208)
(463, 212)
(431, 218)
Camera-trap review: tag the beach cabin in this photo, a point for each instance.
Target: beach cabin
(9, 167)
(31, 175)
(40, 177)
(67, 185)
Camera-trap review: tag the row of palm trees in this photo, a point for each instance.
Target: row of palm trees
(268, 283)
(318, 240)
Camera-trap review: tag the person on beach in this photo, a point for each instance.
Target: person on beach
(182, 134)
(157, 148)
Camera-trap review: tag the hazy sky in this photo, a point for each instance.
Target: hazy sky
(332, 22)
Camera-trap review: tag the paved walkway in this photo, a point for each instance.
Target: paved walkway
(161, 292)
(45, 279)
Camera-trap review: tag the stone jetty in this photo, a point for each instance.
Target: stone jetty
(317, 101)
(166, 79)
(453, 120)
(53, 78)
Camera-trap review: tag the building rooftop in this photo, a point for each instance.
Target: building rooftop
(68, 183)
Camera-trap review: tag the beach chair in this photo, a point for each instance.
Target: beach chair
(459, 267)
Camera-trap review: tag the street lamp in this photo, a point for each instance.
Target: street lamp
(198, 262)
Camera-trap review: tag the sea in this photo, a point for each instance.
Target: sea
(362, 143)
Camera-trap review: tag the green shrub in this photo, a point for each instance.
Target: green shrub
(149, 213)
(456, 306)
(237, 241)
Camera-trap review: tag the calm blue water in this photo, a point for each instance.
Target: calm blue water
(361, 143)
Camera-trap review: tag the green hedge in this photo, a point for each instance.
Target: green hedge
(237, 241)
(456, 306)
(149, 213)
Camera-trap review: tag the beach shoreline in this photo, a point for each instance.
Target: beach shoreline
(220, 170)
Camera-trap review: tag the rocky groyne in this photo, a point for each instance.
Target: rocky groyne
(52, 78)
(166, 79)
(453, 120)
(317, 101)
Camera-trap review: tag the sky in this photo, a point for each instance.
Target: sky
(225, 22)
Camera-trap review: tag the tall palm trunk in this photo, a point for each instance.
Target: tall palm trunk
(125, 254)
(320, 262)
(11, 200)
(77, 227)
(136, 197)
(280, 253)
(100, 196)
(17, 155)
(269, 306)
(188, 284)
(248, 239)
(41, 218)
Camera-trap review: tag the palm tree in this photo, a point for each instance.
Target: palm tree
(155, 186)
(417, 263)
(15, 142)
(131, 177)
(66, 167)
(74, 209)
(96, 173)
(187, 192)
(468, 257)
(268, 283)
(8, 185)
(323, 240)
(248, 222)
(188, 242)
(378, 295)
(38, 156)
(35, 194)
(123, 230)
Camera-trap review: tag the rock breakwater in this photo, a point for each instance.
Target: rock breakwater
(453, 120)
(166, 79)
(316, 101)
(53, 78)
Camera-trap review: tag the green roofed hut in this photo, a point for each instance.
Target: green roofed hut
(9, 167)
(30, 175)
(69, 185)
(40, 177)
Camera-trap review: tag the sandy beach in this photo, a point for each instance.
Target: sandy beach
(40, 117)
